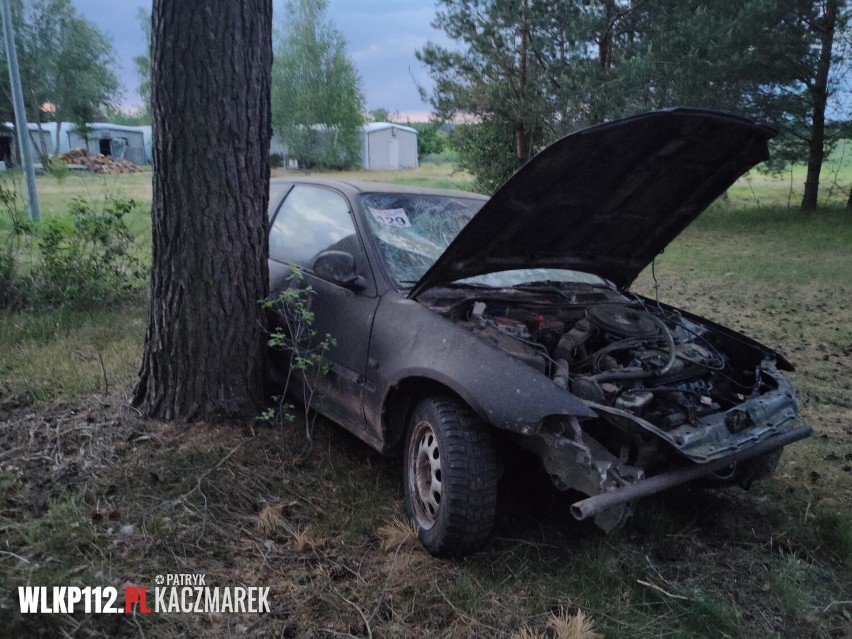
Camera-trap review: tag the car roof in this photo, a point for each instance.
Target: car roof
(354, 187)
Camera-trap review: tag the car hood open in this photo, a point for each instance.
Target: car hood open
(605, 200)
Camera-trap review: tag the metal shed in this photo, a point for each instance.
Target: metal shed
(388, 147)
(38, 140)
(116, 140)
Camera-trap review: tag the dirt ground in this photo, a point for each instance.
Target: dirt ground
(95, 495)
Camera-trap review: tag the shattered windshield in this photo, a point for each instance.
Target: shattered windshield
(412, 230)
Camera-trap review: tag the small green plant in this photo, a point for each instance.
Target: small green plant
(295, 334)
(13, 287)
(834, 530)
(57, 168)
(787, 582)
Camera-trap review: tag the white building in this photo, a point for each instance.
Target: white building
(388, 147)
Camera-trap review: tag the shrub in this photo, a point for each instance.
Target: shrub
(85, 258)
(88, 257)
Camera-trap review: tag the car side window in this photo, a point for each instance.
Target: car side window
(311, 220)
(276, 192)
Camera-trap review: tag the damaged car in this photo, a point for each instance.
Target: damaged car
(467, 327)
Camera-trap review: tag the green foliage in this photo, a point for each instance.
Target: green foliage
(61, 528)
(486, 151)
(430, 139)
(13, 287)
(57, 168)
(447, 156)
(788, 583)
(317, 104)
(297, 336)
(380, 115)
(531, 71)
(85, 259)
(65, 60)
(494, 74)
(834, 530)
(140, 117)
(143, 62)
(69, 351)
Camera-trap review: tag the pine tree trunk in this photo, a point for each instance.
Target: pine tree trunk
(210, 92)
(819, 95)
(605, 38)
(522, 142)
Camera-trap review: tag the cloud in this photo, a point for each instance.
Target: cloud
(382, 36)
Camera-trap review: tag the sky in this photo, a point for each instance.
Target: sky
(382, 36)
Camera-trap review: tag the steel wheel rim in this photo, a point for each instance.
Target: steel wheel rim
(425, 474)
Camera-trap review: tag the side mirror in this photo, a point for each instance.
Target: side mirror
(338, 267)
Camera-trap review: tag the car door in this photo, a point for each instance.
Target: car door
(311, 220)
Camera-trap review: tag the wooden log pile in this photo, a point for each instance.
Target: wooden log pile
(99, 163)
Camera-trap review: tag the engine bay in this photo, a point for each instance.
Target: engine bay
(639, 359)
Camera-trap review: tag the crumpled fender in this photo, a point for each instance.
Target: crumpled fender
(408, 340)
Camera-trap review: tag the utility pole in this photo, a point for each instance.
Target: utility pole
(20, 113)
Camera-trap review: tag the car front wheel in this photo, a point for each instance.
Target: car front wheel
(451, 475)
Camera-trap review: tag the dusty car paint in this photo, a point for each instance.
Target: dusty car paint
(620, 396)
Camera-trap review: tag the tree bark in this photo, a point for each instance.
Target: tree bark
(605, 39)
(819, 96)
(206, 342)
(523, 148)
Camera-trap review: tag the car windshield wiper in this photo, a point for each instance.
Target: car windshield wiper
(541, 284)
(557, 284)
(410, 283)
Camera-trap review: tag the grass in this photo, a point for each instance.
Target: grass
(788, 582)
(54, 195)
(60, 353)
(771, 246)
(110, 498)
(784, 189)
(441, 175)
(90, 493)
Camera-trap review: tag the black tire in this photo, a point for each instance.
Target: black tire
(451, 475)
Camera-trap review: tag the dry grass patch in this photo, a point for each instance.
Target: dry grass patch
(562, 625)
(398, 533)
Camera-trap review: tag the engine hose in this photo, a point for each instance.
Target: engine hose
(615, 375)
(669, 344)
(630, 342)
(560, 375)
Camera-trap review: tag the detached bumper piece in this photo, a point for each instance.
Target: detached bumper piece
(594, 506)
